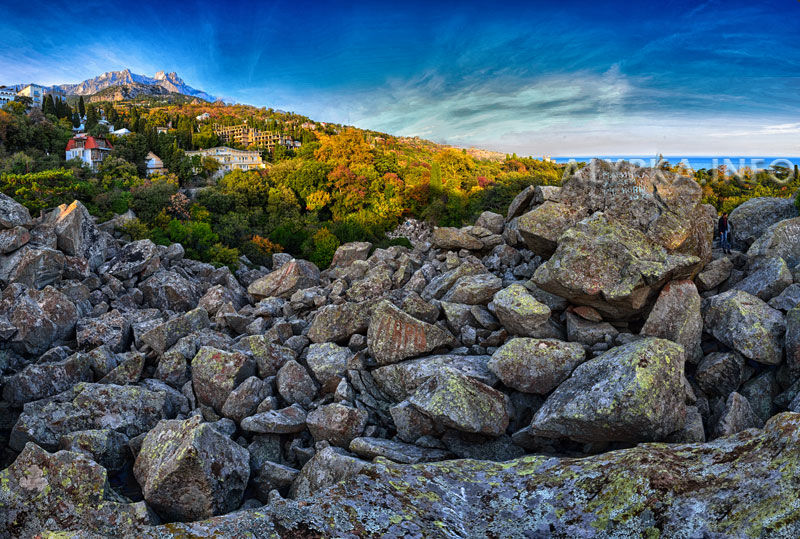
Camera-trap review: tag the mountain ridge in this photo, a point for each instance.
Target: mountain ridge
(169, 81)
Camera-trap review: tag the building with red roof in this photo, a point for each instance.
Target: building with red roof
(91, 150)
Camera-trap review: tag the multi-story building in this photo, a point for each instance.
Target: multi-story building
(248, 136)
(230, 159)
(35, 93)
(6, 95)
(154, 164)
(90, 150)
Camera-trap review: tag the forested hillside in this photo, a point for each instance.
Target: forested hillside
(342, 184)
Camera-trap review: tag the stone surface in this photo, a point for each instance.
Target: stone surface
(793, 341)
(519, 312)
(244, 400)
(779, 240)
(720, 373)
(78, 235)
(189, 471)
(404, 453)
(677, 317)
(748, 325)
(167, 290)
(132, 259)
(163, 336)
(766, 279)
(285, 421)
(130, 410)
(35, 268)
(328, 363)
(295, 384)
(616, 269)
(348, 253)
(474, 289)
(282, 283)
(632, 393)
(336, 323)
(41, 380)
(788, 299)
(457, 401)
(751, 219)
(394, 335)
(63, 491)
(454, 238)
(106, 447)
(336, 423)
(12, 239)
(215, 373)
(535, 365)
(41, 318)
(736, 417)
(112, 329)
(714, 274)
(13, 214)
(401, 380)
(737, 486)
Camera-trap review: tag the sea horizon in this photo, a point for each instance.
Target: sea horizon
(695, 162)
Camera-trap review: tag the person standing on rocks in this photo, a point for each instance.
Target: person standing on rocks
(724, 233)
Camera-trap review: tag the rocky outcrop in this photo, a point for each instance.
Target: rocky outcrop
(726, 488)
(139, 359)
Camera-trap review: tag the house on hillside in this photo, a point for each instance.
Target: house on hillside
(121, 132)
(230, 159)
(35, 93)
(90, 150)
(154, 165)
(203, 117)
(160, 130)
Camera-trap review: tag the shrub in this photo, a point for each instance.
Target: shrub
(219, 255)
(260, 250)
(325, 245)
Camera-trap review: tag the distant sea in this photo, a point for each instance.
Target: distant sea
(696, 162)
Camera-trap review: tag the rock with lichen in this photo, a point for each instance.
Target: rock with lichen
(632, 393)
(189, 471)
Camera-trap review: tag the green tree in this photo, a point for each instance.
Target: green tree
(91, 117)
(49, 106)
(81, 107)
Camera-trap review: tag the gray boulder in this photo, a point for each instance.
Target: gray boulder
(535, 365)
(189, 471)
(751, 219)
(766, 279)
(133, 259)
(677, 316)
(283, 282)
(169, 291)
(13, 214)
(748, 325)
(337, 424)
(519, 312)
(215, 373)
(779, 240)
(632, 393)
(78, 235)
(457, 401)
(720, 373)
(41, 380)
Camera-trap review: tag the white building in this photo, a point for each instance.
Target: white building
(7, 95)
(121, 132)
(88, 149)
(230, 159)
(154, 164)
(35, 92)
(203, 117)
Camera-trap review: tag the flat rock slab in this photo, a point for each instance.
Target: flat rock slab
(369, 448)
(738, 486)
(394, 335)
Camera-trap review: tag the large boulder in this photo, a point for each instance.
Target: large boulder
(163, 336)
(13, 214)
(793, 340)
(400, 380)
(328, 362)
(766, 279)
(129, 409)
(133, 259)
(40, 380)
(63, 491)
(632, 393)
(334, 323)
(337, 424)
(739, 486)
(536, 365)
(12, 239)
(215, 373)
(394, 335)
(348, 253)
(779, 240)
(168, 290)
(474, 289)
(457, 401)
(613, 267)
(663, 206)
(449, 238)
(189, 471)
(42, 318)
(112, 329)
(78, 235)
(751, 219)
(519, 312)
(677, 316)
(35, 268)
(285, 281)
(748, 325)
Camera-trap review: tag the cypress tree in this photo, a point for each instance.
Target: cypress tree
(436, 181)
(81, 107)
(48, 107)
(91, 117)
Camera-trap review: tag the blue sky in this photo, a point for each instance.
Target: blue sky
(537, 78)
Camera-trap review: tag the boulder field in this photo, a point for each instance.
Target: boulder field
(587, 366)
